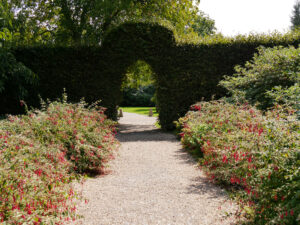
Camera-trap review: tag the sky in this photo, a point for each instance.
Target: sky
(233, 17)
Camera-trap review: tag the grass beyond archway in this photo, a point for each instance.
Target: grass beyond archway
(140, 110)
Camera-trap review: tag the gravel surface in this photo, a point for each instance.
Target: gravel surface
(153, 181)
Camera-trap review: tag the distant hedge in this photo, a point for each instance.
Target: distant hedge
(185, 72)
(15, 80)
(142, 96)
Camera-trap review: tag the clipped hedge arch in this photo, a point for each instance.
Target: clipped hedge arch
(184, 72)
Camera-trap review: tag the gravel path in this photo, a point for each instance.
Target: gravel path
(153, 181)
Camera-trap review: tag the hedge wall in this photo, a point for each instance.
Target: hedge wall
(185, 72)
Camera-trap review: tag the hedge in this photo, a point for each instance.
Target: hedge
(185, 72)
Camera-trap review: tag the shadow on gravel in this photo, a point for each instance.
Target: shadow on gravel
(134, 127)
(200, 185)
(132, 133)
(185, 157)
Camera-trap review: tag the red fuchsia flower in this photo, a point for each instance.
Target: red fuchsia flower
(196, 107)
(232, 180)
(236, 156)
(276, 168)
(17, 147)
(38, 172)
(260, 131)
(28, 209)
(61, 157)
(248, 190)
(275, 197)
(292, 212)
(224, 159)
(250, 159)
(16, 206)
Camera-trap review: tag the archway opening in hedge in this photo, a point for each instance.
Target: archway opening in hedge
(150, 43)
(139, 86)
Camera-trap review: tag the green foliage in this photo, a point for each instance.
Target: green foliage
(138, 74)
(138, 97)
(203, 25)
(295, 19)
(15, 80)
(255, 156)
(5, 23)
(76, 22)
(43, 152)
(287, 96)
(271, 67)
(184, 72)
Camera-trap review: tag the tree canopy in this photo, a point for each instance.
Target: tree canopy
(86, 22)
(295, 19)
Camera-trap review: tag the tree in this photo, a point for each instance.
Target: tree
(5, 23)
(87, 21)
(138, 74)
(295, 19)
(203, 25)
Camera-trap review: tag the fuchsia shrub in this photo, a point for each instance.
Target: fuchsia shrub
(42, 153)
(255, 155)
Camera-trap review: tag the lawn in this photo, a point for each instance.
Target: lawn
(140, 110)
